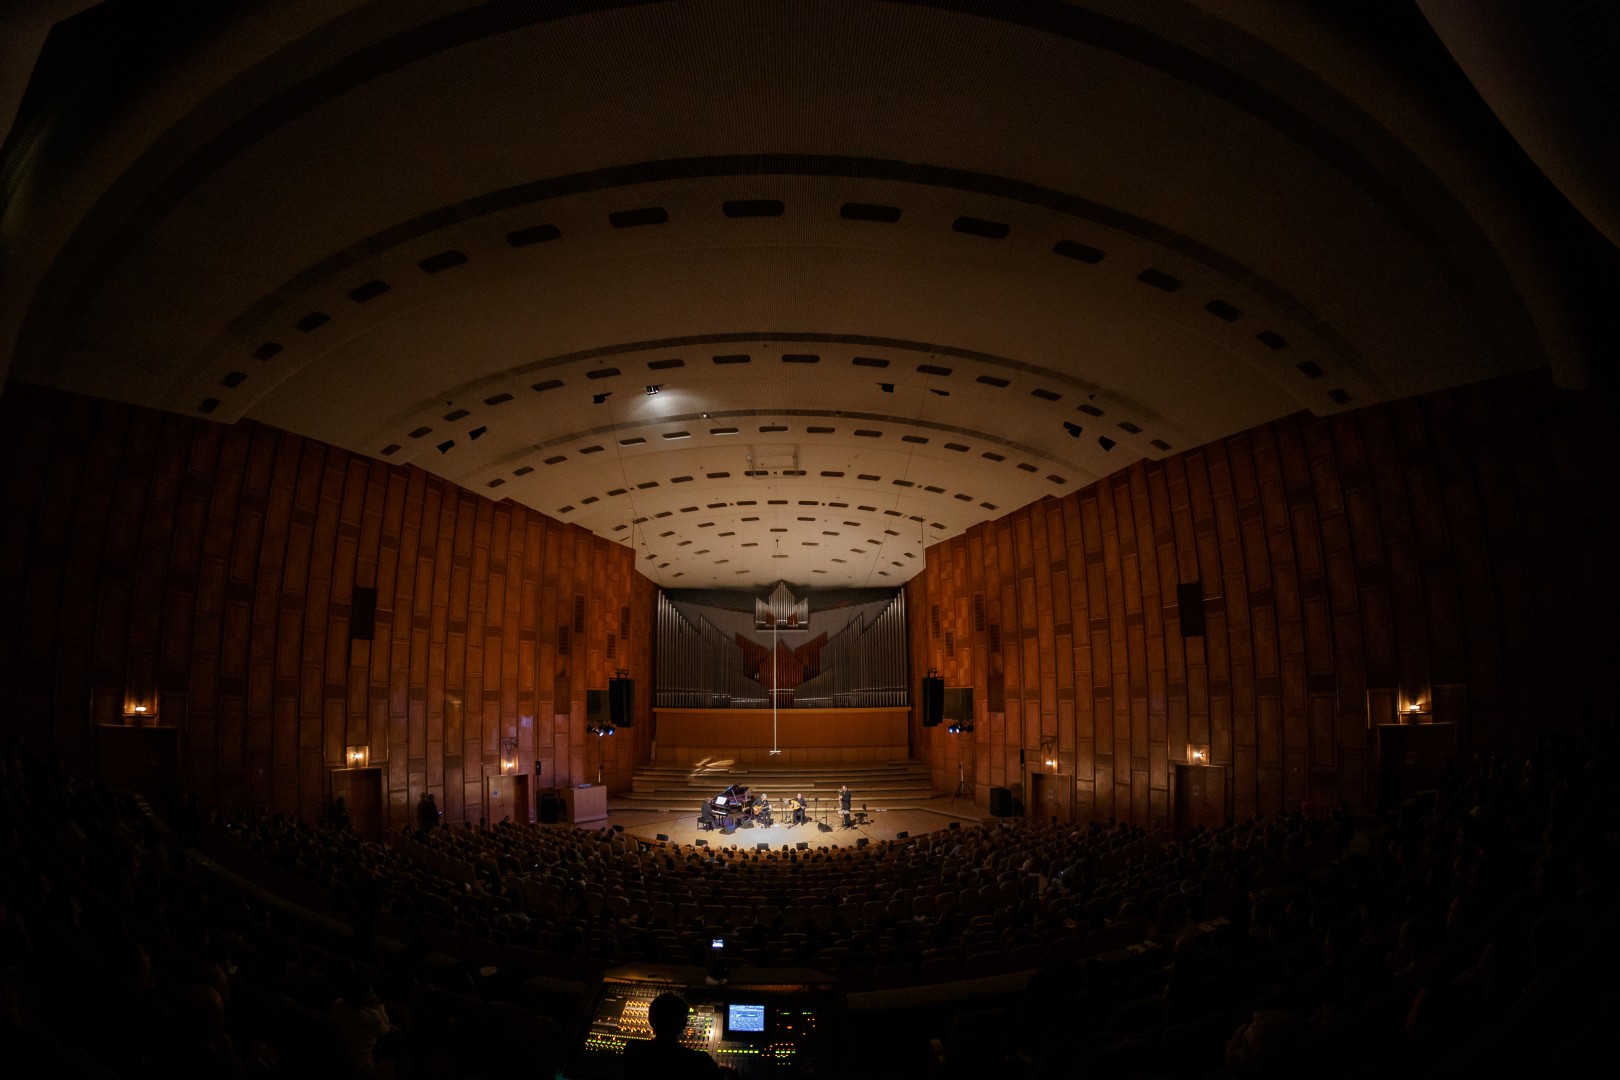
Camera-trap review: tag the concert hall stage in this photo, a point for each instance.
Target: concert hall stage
(681, 826)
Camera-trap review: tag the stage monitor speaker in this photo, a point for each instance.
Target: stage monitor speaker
(862, 842)
(902, 836)
(762, 847)
(1001, 802)
(622, 702)
(1190, 604)
(663, 837)
(954, 825)
(702, 842)
(802, 846)
(933, 701)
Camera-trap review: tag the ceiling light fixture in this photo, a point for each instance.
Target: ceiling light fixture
(653, 389)
(597, 399)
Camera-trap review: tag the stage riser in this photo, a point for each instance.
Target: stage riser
(836, 735)
(692, 756)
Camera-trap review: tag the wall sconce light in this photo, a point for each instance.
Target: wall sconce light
(509, 748)
(139, 711)
(1198, 753)
(1049, 754)
(357, 757)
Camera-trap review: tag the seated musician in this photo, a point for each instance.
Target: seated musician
(762, 810)
(706, 815)
(796, 804)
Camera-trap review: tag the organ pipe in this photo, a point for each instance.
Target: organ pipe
(864, 665)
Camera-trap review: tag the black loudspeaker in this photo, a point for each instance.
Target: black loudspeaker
(622, 702)
(702, 842)
(933, 701)
(1190, 603)
(802, 846)
(1001, 802)
(363, 613)
(902, 836)
(762, 847)
(954, 825)
(661, 836)
(861, 842)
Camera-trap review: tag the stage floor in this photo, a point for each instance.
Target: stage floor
(825, 832)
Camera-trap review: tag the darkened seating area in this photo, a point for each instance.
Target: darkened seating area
(1467, 933)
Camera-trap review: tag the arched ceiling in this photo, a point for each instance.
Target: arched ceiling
(892, 268)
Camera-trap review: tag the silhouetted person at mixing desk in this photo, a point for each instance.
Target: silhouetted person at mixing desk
(663, 1057)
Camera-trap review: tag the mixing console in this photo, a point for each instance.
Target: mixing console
(758, 1023)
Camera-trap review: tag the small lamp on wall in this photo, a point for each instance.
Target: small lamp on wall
(509, 748)
(139, 711)
(1049, 756)
(1198, 753)
(357, 756)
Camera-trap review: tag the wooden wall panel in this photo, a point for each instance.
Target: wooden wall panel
(1454, 548)
(213, 568)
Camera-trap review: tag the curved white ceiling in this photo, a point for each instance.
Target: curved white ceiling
(893, 268)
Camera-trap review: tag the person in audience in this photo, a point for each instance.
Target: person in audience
(428, 814)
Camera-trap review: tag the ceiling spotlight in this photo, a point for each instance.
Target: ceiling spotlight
(597, 399)
(444, 447)
(477, 433)
(653, 389)
(886, 387)
(941, 393)
(1105, 442)
(1072, 428)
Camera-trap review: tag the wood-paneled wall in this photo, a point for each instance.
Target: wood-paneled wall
(212, 569)
(1457, 551)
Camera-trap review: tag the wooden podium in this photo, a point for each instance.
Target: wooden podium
(585, 803)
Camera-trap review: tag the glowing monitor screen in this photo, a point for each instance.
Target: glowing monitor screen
(745, 1018)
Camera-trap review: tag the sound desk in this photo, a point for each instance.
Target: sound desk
(759, 1022)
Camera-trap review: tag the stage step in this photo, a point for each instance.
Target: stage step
(894, 784)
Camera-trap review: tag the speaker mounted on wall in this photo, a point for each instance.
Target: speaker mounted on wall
(1190, 604)
(362, 614)
(622, 701)
(933, 701)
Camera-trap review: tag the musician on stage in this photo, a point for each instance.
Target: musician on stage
(762, 811)
(797, 805)
(843, 804)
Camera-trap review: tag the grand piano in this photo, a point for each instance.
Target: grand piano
(732, 806)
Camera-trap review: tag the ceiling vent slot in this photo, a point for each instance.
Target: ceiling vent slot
(444, 260)
(1071, 249)
(534, 234)
(747, 208)
(857, 211)
(630, 219)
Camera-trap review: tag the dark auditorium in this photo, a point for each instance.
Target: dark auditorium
(876, 539)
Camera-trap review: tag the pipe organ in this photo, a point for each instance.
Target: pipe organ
(700, 666)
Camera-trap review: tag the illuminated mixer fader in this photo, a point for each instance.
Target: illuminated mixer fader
(764, 1022)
